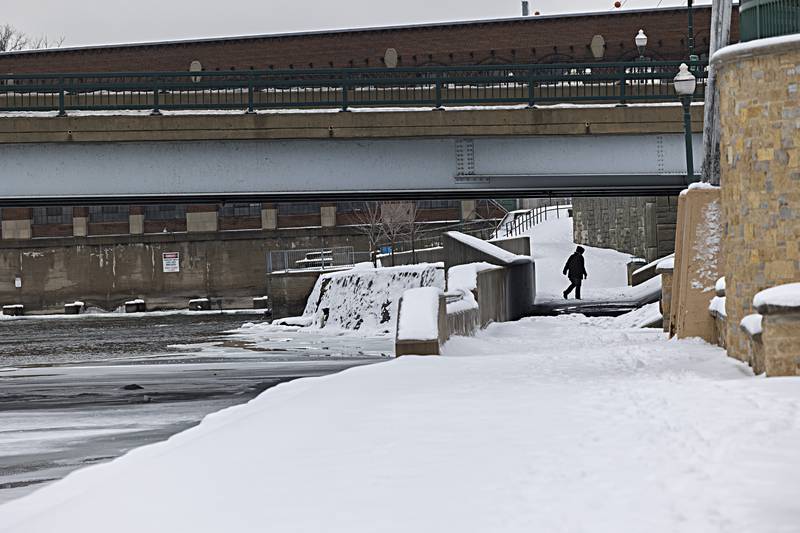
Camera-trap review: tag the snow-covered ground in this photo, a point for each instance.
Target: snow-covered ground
(547, 424)
(552, 244)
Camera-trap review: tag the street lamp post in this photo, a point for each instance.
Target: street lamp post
(685, 84)
(641, 42)
(690, 40)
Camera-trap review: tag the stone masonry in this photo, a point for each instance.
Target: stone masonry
(643, 226)
(760, 173)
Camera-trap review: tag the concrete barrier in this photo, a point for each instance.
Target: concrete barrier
(135, 306)
(14, 310)
(74, 308)
(410, 338)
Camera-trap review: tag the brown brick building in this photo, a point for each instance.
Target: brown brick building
(560, 38)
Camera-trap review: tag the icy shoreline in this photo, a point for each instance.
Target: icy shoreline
(546, 424)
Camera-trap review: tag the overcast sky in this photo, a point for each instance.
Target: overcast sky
(86, 22)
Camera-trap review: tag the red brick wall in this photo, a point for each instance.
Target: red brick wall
(299, 221)
(108, 228)
(157, 226)
(51, 230)
(235, 223)
(533, 39)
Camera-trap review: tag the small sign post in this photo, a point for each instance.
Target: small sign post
(171, 261)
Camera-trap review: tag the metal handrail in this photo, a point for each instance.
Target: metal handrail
(341, 88)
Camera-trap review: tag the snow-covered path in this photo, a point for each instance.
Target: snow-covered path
(548, 424)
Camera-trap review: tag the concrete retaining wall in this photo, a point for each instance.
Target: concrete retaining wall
(106, 271)
(519, 287)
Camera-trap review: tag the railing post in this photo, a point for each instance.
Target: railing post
(623, 82)
(438, 94)
(156, 106)
(62, 112)
(345, 98)
(531, 102)
(250, 110)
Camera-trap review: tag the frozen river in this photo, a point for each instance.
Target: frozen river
(78, 391)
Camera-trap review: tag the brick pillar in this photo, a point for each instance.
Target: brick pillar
(468, 210)
(269, 216)
(80, 221)
(136, 220)
(201, 218)
(781, 338)
(16, 223)
(327, 214)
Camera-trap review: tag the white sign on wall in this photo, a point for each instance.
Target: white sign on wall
(171, 261)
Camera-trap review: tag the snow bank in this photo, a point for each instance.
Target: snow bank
(645, 316)
(787, 295)
(752, 324)
(549, 424)
(420, 317)
(366, 298)
(466, 276)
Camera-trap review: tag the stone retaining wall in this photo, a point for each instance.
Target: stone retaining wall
(760, 173)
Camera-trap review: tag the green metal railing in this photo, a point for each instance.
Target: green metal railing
(768, 18)
(647, 81)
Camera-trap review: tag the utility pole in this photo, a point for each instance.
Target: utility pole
(720, 35)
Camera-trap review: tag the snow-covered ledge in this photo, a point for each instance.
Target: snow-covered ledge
(421, 322)
(780, 308)
(757, 47)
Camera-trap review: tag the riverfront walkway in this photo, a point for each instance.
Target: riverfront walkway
(547, 424)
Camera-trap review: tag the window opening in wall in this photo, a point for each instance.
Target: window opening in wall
(52, 215)
(164, 212)
(108, 213)
(299, 208)
(240, 210)
(438, 204)
(350, 207)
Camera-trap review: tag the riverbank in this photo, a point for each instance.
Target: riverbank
(615, 429)
(80, 392)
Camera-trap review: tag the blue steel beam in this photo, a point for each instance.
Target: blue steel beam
(87, 173)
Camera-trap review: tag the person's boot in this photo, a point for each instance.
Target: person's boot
(565, 295)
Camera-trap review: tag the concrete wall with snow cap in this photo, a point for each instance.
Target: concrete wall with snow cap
(513, 297)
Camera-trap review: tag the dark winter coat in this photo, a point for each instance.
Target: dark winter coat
(574, 269)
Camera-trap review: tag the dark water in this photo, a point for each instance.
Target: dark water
(80, 339)
(77, 391)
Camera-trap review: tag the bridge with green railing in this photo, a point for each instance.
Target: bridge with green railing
(437, 87)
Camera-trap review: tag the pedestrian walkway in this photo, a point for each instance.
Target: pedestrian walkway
(549, 424)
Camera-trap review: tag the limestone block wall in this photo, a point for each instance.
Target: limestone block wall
(643, 226)
(760, 172)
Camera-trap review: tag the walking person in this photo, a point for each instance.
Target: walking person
(576, 272)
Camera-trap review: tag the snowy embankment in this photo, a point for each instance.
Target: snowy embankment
(562, 424)
(552, 244)
(364, 298)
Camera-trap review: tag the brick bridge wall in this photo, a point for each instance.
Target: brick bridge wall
(562, 38)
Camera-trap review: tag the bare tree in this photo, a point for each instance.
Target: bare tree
(13, 40)
(398, 220)
(369, 222)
